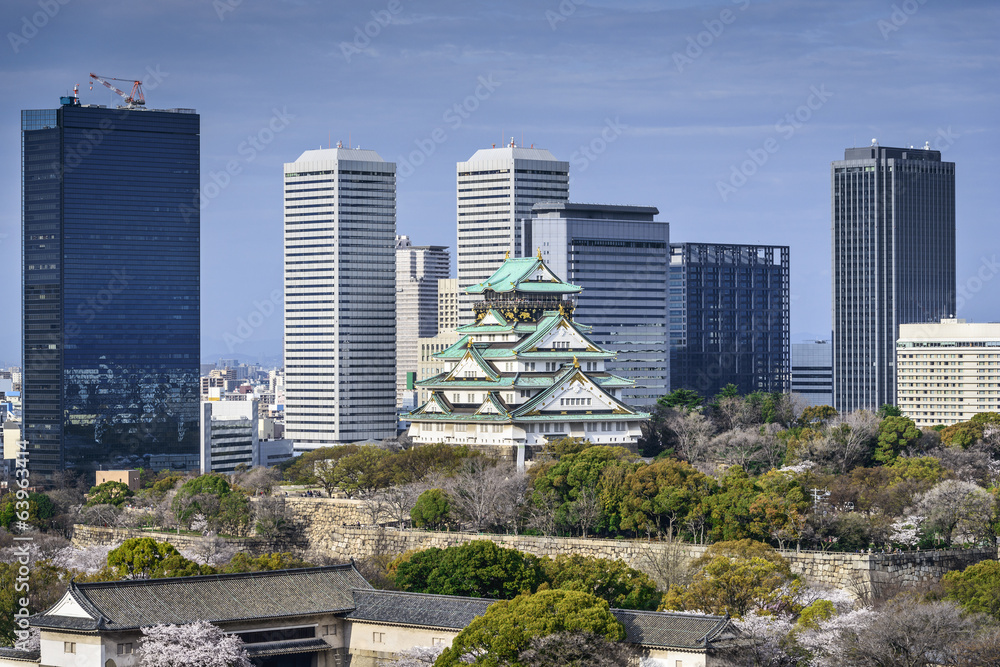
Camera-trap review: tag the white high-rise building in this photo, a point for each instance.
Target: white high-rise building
(419, 269)
(340, 293)
(948, 371)
(496, 189)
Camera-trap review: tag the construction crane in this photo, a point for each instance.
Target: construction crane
(136, 99)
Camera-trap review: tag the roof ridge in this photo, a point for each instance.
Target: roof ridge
(380, 591)
(649, 612)
(217, 576)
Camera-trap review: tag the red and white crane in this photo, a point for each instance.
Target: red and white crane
(133, 100)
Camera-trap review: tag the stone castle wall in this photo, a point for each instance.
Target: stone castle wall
(338, 530)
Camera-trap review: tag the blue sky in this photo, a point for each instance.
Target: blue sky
(653, 103)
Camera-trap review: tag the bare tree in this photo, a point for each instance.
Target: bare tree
(748, 446)
(211, 550)
(577, 649)
(849, 439)
(585, 512)
(542, 512)
(907, 633)
(258, 481)
(271, 517)
(480, 491)
(400, 499)
(668, 564)
(693, 432)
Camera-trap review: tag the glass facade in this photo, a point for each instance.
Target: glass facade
(111, 301)
(729, 317)
(893, 241)
(619, 255)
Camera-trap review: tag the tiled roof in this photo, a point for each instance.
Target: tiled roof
(434, 611)
(513, 276)
(287, 647)
(119, 605)
(666, 629)
(19, 655)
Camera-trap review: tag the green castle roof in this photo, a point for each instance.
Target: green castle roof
(519, 275)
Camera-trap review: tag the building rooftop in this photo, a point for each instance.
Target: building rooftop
(120, 605)
(515, 152)
(524, 274)
(667, 629)
(435, 611)
(333, 154)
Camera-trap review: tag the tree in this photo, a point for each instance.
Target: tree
(576, 649)
(953, 505)
(202, 495)
(976, 588)
(888, 410)
(612, 580)
(270, 517)
(145, 558)
(737, 578)
(906, 633)
(660, 496)
(693, 431)
(498, 637)
(685, 399)
(47, 585)
(199, 643)
(486, 494)
(432, 510)
(109, 493)
(895, 434)
(357, 474)
(477, 569)
(967, 433)
(41, 511)
(817, 413)
(244, 562)
(850, 439)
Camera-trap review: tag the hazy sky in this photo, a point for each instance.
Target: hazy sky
(653, 103)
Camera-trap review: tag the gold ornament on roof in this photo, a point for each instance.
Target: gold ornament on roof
(539, 253)
(576, 364)
(506, 255)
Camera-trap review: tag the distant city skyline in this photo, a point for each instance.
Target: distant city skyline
(724, 115)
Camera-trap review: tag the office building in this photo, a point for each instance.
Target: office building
(729, 317)
(524, 372)
(340, 295)
(229, 436)
(812, 372)
(893, 262)
(447, 312)
(111, 301)
(496, 189)
(619, 255)
(948, 371)
(419, 269)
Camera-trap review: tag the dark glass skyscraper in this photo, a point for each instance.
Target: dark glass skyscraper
(729, 317)
(893, 262)
(619, 256)
(111, 301)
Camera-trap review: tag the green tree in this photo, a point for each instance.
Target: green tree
(685, 399)
(234, 515)
(45, 586)
(895, 434)
(201, 495)
(965, 434)
(660, 496)
(359, 473)
(497, 637)
(109, 493)
(477, 569)
(611, 580)
(888, 410)
(40, 511)
(432, 509)
(736, 578)
(817, 413)
(575, 472)
(976, 588)
(145, 558)
(244, 562)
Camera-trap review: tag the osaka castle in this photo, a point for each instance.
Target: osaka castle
(524, 373)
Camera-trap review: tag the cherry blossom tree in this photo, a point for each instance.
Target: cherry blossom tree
(418, 656)
(198, 644)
